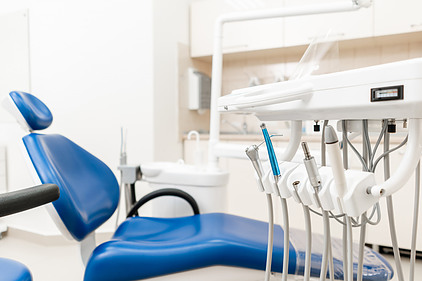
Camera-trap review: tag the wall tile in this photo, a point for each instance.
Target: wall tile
(415, 50)
(367, 56)
(391, 53)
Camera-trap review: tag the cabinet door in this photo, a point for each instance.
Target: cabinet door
(302, 30)
(237, 36)
(393, 16)
(202, 17)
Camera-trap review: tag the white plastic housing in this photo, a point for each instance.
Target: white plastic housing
(298, 175)
(357, 200)
(335, 96)
(268, 182)
(326, 194)
(354, 203)
(285, 170)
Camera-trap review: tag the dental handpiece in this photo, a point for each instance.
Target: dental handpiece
(315, 180)
(271, 153)
(253, 154)
(312, 171)
(334, 155)
(276, 173)
(311, 168)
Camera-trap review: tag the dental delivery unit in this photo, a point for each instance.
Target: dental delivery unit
(381, 96)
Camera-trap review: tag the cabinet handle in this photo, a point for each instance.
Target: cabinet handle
(235, 46)
(416, 25)
(336, 35)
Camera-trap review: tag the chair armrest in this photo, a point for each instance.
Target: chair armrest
(28, 198)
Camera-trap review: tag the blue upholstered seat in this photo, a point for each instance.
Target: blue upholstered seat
(11, 270)
(147, 247)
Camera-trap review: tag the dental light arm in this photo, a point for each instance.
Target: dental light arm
(407, 165)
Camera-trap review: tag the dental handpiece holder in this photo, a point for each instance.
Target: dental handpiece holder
(388, 91)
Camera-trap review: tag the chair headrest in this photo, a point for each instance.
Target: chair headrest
(31, 113)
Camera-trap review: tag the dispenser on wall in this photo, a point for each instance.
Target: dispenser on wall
(199, 90)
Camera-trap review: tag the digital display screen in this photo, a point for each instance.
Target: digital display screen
(387, 93)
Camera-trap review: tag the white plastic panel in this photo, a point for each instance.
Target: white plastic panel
(335, 96)
(354, 203)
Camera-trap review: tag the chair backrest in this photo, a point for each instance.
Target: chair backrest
(89, 189)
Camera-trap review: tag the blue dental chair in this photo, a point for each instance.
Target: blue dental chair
(18, 201)
(143, 247)
(14, 271)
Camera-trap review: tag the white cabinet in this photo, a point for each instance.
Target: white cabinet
(302, 30)
(392, 16)
(272, 33)
(237, 36)
(384, 17)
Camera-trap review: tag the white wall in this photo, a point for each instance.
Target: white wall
(91, 63)
(91, 60)
(14, 73)
(171, 26)
(100, 65)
